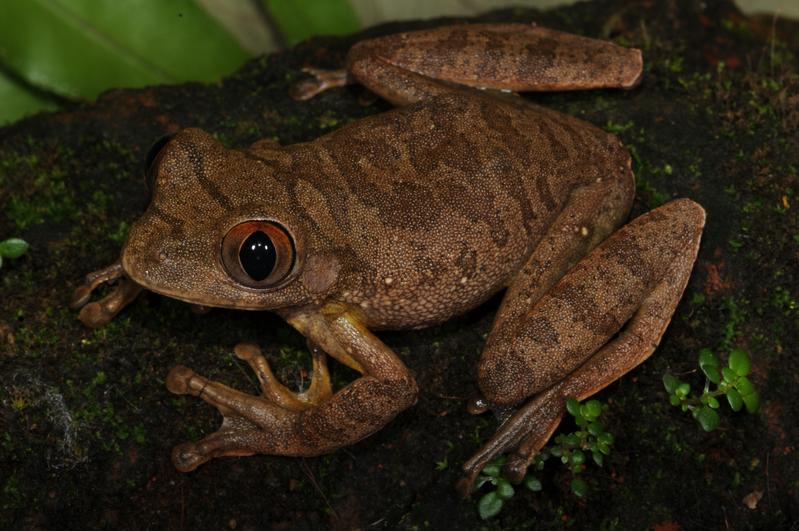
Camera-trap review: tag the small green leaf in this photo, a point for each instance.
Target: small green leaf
(598, 457)
(505, 489)
(744, 386)
(489, 505)
(579, 487)
(670, 383)
(595, 428)
(572, 406)
(739, 362)
(481, 480)
(683, 390)
(729, 375)
(591, 409)
(532, 483)
(712, 402)
(13, 248)
(707, 358)
(708, 419)
(752, 402)
(604, 448)
(493, 469)
(578, 457)
(572, 440)
(712, 374)
(605, 438)
(734, 399)
(674, 400)
(709, 364)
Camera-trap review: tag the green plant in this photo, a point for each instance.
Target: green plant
(730, 381)
(12, 248)
(572, 449)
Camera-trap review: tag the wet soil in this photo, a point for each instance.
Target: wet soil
(87, 424)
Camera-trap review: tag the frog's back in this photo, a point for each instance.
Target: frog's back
(453, 192)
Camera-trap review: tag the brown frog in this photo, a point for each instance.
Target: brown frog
(407, 218)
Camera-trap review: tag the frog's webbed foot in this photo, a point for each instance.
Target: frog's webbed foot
(97, 313)
(603, 318)
(245, 416)
(320, 81)
(313, 422)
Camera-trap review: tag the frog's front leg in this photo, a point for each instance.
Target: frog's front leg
(280, 425)
(566, 344)
(97, 313)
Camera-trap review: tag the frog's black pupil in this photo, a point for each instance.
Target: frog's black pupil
(257, 256)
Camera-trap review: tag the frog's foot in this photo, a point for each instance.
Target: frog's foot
(614, 307)
(246, 418)
(319, 389)
(320, 81)
(97, 313)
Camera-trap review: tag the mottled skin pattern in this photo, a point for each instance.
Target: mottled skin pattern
(407, 218)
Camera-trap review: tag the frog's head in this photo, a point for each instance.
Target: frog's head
(219, 230)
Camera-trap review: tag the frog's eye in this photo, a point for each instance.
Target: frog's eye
(151, 160)
(258, 254)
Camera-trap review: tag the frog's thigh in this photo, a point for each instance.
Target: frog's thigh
(591, 303)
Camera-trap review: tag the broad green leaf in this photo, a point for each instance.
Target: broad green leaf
(708, 419)
(78, 48)
(299, 20)
(13, 248)
(739, 362)
(18, 101)
(489, 505)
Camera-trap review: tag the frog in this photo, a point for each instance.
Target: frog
(406, 219)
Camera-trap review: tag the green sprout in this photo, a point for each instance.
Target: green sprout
(729, 381)
(572, 449)
(12, 248)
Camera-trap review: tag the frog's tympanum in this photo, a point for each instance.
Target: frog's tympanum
(407, 218)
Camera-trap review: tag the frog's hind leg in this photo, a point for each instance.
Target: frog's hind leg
(408, 67)
(637, 277)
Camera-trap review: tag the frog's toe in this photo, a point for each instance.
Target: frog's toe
(186, 457)
(320, 81)
(237, 437)
(274, 391)
(178, 379)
